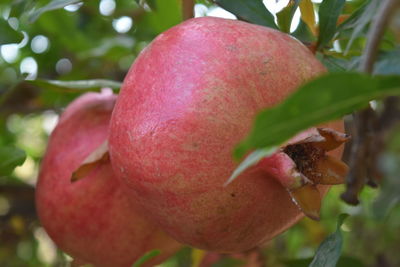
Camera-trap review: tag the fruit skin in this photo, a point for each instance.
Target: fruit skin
(189, 98)
(91, 219)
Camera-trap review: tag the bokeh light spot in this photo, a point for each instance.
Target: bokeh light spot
(40, 44)
(29, 67)
(107, 7)
(63, 66)
(9, 52)
(123, 24)
(73, 7)
(4, 206)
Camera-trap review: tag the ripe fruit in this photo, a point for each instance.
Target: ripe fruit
(91, 219)
(189, 98)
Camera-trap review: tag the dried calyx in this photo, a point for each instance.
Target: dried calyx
(302, 164)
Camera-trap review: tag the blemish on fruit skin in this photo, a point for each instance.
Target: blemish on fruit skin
(264, 70)
(231, 47)
(194, 146)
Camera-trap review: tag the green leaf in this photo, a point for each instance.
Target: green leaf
(74, 86)
(10, 157)
(307, 15)
(329, 251)
(326, 98)
(64, 27)
(285, 16)
(197, 256)
(181, 258)
(252, 159)
(7, 34)
(328, 13)
(358, 21)
(146, 257)
(253, 11)
(166, 15)
(53, 5)
(344, 261)
(351, 21)
(113, 47)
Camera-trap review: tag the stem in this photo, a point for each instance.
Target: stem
(187, 9)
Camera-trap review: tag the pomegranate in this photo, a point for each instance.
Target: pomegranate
(91, 219)
(188, 99)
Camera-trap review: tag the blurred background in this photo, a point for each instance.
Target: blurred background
(100, 39)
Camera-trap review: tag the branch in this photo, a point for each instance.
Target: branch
(368, 135)
(375, 34)
(187, 9)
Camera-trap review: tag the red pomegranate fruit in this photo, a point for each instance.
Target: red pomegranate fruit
(188, 99)
(91, 219)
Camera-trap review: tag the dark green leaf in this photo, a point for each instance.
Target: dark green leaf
(329, 251)
(303, 33)
(328, 13)
(18, 7)
(285, 16)
(10, 157)
(7, 34)
(338, 64)
(74, 86)
(146, 257)
(252, 11)
(334, 64)
(326, 98)
(182, 258)
(55, 4)
(346, 261)
(166, 15)
(152, 4)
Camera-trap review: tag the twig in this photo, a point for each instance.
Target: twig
(365, 145)
(375, 34)
(187, 9)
